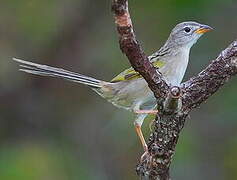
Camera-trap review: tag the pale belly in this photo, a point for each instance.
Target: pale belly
(132, 95)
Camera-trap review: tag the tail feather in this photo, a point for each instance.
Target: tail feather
(44, 70)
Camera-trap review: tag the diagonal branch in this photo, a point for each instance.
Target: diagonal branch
(130, 46)
(207, 82)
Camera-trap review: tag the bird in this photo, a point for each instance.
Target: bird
(129, 90)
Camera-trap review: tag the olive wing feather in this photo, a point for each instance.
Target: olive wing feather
(131, 74)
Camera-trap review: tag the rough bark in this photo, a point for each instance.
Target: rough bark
(207, 82)
(131, 47)
(174, 103)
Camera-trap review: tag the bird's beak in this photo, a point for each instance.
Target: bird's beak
(203, 29)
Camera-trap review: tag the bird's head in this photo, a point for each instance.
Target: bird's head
(186, 34)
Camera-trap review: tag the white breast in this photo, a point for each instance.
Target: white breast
(175, 67)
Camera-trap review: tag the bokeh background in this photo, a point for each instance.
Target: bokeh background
(53, 129)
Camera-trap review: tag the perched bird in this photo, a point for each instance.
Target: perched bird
(129, 90)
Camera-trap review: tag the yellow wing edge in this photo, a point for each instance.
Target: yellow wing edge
(130, 73)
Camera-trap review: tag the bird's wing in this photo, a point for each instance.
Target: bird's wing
(130, 73)
(127, 74)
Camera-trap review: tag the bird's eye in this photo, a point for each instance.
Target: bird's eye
(187, 29)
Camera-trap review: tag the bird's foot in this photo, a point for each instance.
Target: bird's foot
(146, 111)
(146, 154)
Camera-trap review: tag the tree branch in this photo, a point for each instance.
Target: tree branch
(130, 46)
(207, 82)
(174, 103)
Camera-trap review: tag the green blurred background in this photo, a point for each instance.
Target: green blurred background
(53, 129)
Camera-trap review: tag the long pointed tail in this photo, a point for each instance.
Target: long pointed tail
(44, 70)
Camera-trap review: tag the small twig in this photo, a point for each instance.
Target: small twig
(173, 103)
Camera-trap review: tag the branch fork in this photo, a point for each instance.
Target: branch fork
(174, 103)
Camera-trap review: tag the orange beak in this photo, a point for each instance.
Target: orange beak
(203, 29)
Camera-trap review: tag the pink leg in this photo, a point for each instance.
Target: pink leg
(146, 111)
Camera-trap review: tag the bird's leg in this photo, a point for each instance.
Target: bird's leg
(141, 114)
(152, 111)
(141, 137)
